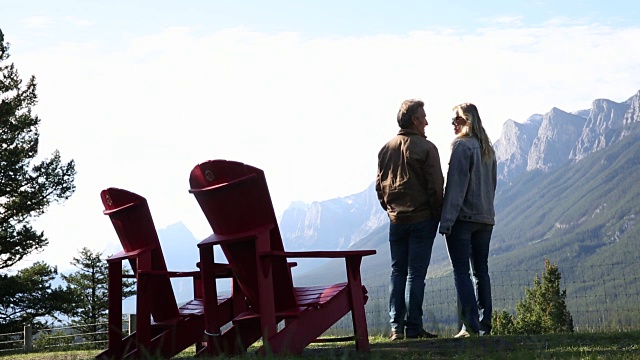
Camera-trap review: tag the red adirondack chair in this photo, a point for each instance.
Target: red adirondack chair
(235, 200)
(162, 327)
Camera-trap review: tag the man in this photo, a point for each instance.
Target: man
(410, 188)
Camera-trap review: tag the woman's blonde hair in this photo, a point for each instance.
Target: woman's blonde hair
(474, 128)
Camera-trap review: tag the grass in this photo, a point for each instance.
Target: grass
(610, 345)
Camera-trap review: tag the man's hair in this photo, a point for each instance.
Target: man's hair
(407, 110)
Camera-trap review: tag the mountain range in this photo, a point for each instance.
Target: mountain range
(548, 141)
(567, 191)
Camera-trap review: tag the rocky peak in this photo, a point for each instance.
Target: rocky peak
(633, 112)
(584, 113)
(535, 120)
(333, 224)
(602, 127)
(556, 138)
(513, 146)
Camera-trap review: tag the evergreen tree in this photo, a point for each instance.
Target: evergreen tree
(90, 295)
(543, 309)
(26, 190)
(502, 323)
(28, 295)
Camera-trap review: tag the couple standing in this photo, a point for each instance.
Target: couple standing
(410, 188)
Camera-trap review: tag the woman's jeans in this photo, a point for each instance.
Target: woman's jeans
(468, 247)
(410, 246)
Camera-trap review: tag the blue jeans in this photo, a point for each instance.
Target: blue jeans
(468, 247)
(410, 246)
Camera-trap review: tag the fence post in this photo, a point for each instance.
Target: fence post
(28, 340)
(132, 323)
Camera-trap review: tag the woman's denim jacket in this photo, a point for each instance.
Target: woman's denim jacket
(471, 186)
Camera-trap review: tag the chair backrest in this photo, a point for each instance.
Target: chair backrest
(131, 218)
(234, 198)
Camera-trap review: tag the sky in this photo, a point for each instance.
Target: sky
(139, 92)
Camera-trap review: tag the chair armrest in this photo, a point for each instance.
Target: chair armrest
(123, 255)
(171, 274)
(217, 239)
(220, 271)
(318, 254)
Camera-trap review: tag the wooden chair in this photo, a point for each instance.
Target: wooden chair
(163, 329)
(235, 200)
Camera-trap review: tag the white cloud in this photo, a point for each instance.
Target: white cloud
(312, 113)
(506, 20)
(78, 22)
(37, 22)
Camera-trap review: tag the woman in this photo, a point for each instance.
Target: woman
(468, 218)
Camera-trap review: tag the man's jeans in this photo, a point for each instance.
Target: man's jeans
(468, 244)
(410, 246)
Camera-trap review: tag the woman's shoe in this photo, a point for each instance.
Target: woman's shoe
(464, 333)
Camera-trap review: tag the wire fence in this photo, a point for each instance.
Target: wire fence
(79, 336)
(603, 297)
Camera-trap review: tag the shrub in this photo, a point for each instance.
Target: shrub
(52, 339)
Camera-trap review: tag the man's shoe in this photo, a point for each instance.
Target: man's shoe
(423, 334)
(462, 334)
(396, 336)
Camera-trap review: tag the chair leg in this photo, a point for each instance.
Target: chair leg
(360, 327)
(357, 298)
(114, 332)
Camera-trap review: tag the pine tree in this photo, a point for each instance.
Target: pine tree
(90, 297)
(26, 190)
(502, 323)
(559, 320)
(28, 295)
(542, 311)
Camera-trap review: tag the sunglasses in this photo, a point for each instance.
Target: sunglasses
(457, 119)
